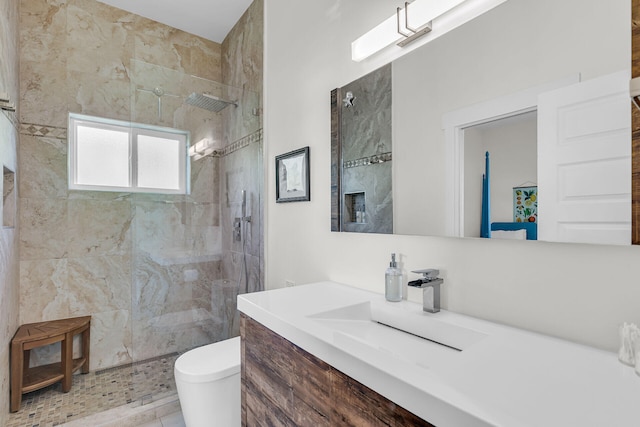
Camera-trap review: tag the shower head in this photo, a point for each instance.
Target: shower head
(209, 102)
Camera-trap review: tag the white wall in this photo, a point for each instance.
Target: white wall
(577, 292)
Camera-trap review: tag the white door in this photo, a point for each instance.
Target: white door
(584, 162)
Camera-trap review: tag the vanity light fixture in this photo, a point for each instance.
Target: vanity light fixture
(408, 24)
(416, 19)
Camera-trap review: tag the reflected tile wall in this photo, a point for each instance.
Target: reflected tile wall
(366, 126)
(9, 236)
(365, 132)
(90, 252)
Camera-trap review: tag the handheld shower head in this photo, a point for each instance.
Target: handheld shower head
(244, 203)
(245, 217)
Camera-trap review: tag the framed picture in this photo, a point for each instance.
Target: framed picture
(525, 204)
(292, 176)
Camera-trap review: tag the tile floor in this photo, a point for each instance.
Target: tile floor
(100, 391)
(171, 420)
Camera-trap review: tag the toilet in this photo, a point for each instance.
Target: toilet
(208, 382)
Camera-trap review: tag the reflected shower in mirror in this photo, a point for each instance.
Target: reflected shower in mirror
(364, 200)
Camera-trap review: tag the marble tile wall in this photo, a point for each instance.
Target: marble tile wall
(9, 236)
(242, 67)
(75, 56)
(140, 264)
(242, 168)
(242, 261)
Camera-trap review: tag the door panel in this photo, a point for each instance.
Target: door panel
(584, 162)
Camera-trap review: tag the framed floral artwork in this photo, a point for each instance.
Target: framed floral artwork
(525, 204)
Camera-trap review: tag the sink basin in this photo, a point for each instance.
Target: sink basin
(398, 329)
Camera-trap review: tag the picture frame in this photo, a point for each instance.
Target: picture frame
(292, 176)
(525, 203)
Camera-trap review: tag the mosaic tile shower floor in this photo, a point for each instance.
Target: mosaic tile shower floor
(96, 392)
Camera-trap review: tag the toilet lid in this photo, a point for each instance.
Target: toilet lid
(210, 362)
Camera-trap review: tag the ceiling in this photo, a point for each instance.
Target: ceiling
(210, 19)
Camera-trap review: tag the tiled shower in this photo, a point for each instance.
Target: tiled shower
(159, 274)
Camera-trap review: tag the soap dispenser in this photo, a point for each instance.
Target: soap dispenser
(393, 281)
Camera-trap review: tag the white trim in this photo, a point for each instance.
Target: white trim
(454, 123)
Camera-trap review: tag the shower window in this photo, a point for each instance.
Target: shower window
(112, 155)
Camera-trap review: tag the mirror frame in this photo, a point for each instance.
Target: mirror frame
(336, 160)
(635, 126)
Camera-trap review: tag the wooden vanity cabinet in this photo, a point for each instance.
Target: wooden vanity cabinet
(283, 385)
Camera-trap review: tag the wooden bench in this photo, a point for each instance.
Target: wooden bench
(32, 335)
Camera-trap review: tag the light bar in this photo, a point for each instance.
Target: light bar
(416, 19)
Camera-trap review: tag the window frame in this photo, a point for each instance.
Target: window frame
(134, 130)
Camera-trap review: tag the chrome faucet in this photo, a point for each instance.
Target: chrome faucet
(430, 285)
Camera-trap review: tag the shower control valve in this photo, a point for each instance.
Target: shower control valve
(237, 229)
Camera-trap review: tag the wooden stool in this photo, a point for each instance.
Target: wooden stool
(33, 335)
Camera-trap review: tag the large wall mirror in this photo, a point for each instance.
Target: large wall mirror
(536, 86)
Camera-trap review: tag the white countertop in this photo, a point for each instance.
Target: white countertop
(509, 378)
